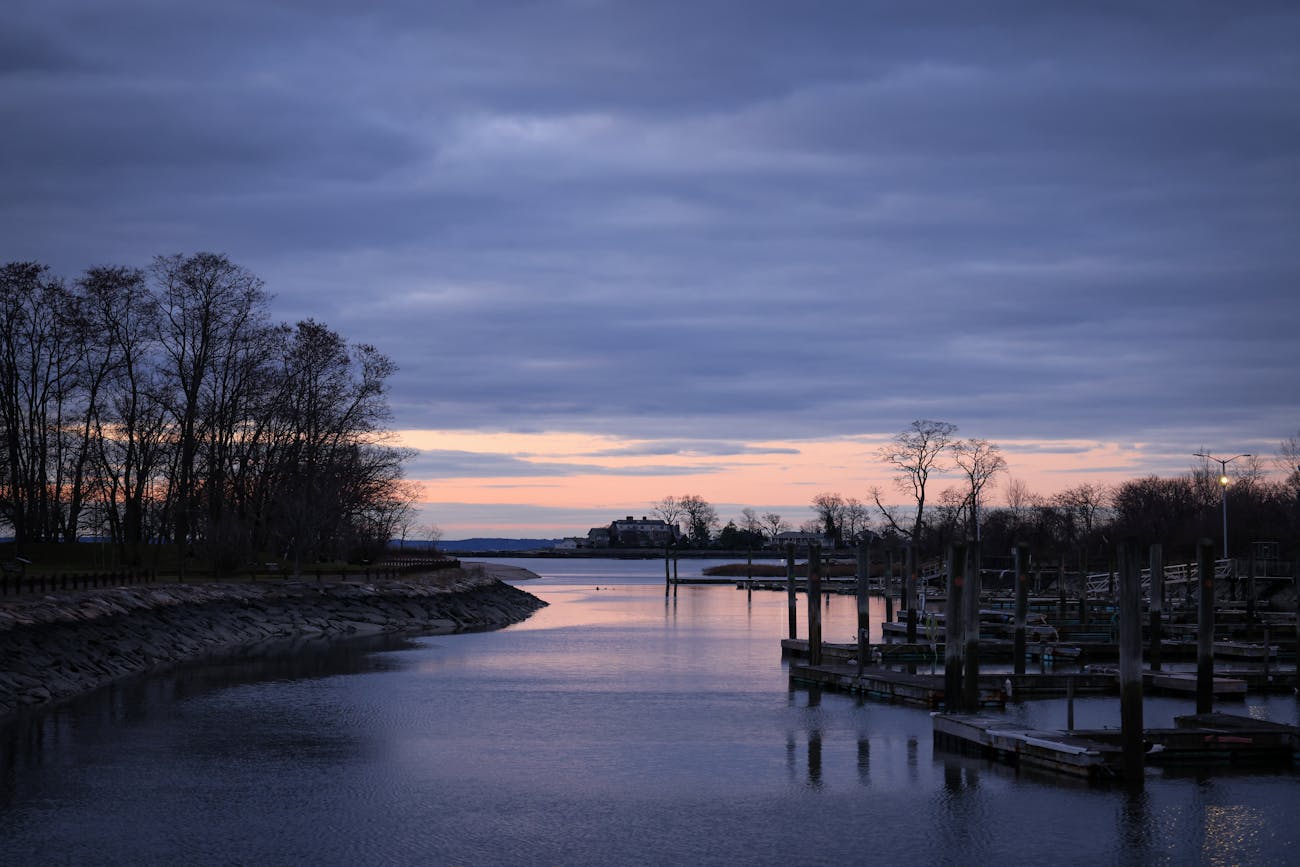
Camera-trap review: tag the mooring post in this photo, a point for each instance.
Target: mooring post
(1295, 585)
(749, 575)
(814, 605)
(676, 581)
(791, 601)
(668, 576)
(1205, 627)
(1157, 564)
(1083, 587)
(1250, 588)
(953, 697)
(889, 589)
(1069, 704)
(971, 601)
(1020, 565)
(864, 604)
(1130, 659)
(909, 592)
(1060, 591)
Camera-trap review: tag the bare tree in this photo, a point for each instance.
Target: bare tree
(701, 518)
(829, 509)
(750, 522)
(915, 453)
(1288, 460)
(857, 519)
(1082, 504)
(669, 510)
(980, 460)
(774, 525)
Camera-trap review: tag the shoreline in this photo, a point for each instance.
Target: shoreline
(62, 645)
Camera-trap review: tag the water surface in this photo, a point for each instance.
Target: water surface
(614, 726)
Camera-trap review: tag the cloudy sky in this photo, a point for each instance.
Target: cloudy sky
(628, 249)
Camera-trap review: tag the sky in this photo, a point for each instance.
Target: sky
(625, 250)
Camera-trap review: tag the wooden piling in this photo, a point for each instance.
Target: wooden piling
(814, 605)
(953, 645)
(1083, 588)
(864, 604)
(749, 575)
(971, 606)
(889, 590)
(1130, 658)
(909, 593)
(1156, 626)
(791, 598)
(1069, 704)
(668, 576)
(1205, 627)
(1250, 588)
(1060, 590)
(1020, 565)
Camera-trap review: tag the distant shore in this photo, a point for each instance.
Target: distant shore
(63, 644)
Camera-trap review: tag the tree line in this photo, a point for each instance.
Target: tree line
(163, 405)
(1084, 520)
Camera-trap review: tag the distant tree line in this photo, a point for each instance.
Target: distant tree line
(1084, 521)
(163, 405)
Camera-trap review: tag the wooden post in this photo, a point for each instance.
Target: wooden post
(971, 601)
(1020, 563)
(1157, 565)
(676, 580)
(1205, 627)
(668, 578)
(1250, 588)
(1130, 659)
(790, 593)
(814, 605)
(889, 590)
(864, 604)
(953, 697)
(1295, 585)
(749, 575)
(909, 592)
(1083, 587)
(1069, 704)
(1060, 591)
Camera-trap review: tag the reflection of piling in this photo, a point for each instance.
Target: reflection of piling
(953, 632)
(864, 604)
(1130, 658)
(1157, 604)
(1021, 563)
(791, 600)
(1205, 627)
(814, 605)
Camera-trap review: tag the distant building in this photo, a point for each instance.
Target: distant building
(800, 540)
(633, 532)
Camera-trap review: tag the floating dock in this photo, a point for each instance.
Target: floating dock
(1211, 738)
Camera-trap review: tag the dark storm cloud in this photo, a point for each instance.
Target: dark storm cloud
(708, 221)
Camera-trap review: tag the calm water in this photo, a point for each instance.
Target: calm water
(613, 727)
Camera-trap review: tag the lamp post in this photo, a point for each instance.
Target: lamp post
(1223, 485)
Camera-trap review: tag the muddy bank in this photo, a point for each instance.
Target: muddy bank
(64, 644)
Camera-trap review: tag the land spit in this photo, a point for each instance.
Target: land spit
(65, 644)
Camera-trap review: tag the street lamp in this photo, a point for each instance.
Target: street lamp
(1223, 484)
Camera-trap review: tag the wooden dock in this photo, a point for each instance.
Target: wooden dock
(1211, 738)
(927, 690)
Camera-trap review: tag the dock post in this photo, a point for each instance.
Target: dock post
(675, 580)
(889, 589)
(668, 577)
(1069, 704)
(1060, 591)
(1157, 603)
(1130, 659)
(1205, 627)
(1250, 589)
(814, 605)
(1083, 588)
(953, 697)
(791, 601)
(1020, 556)
(1295, 584)
(909, 592)
(864, 604)
(971, 603)
(749, 575)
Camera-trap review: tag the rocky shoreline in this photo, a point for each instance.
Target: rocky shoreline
(65, 644)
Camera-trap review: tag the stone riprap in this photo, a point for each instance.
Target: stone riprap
(60, 645)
